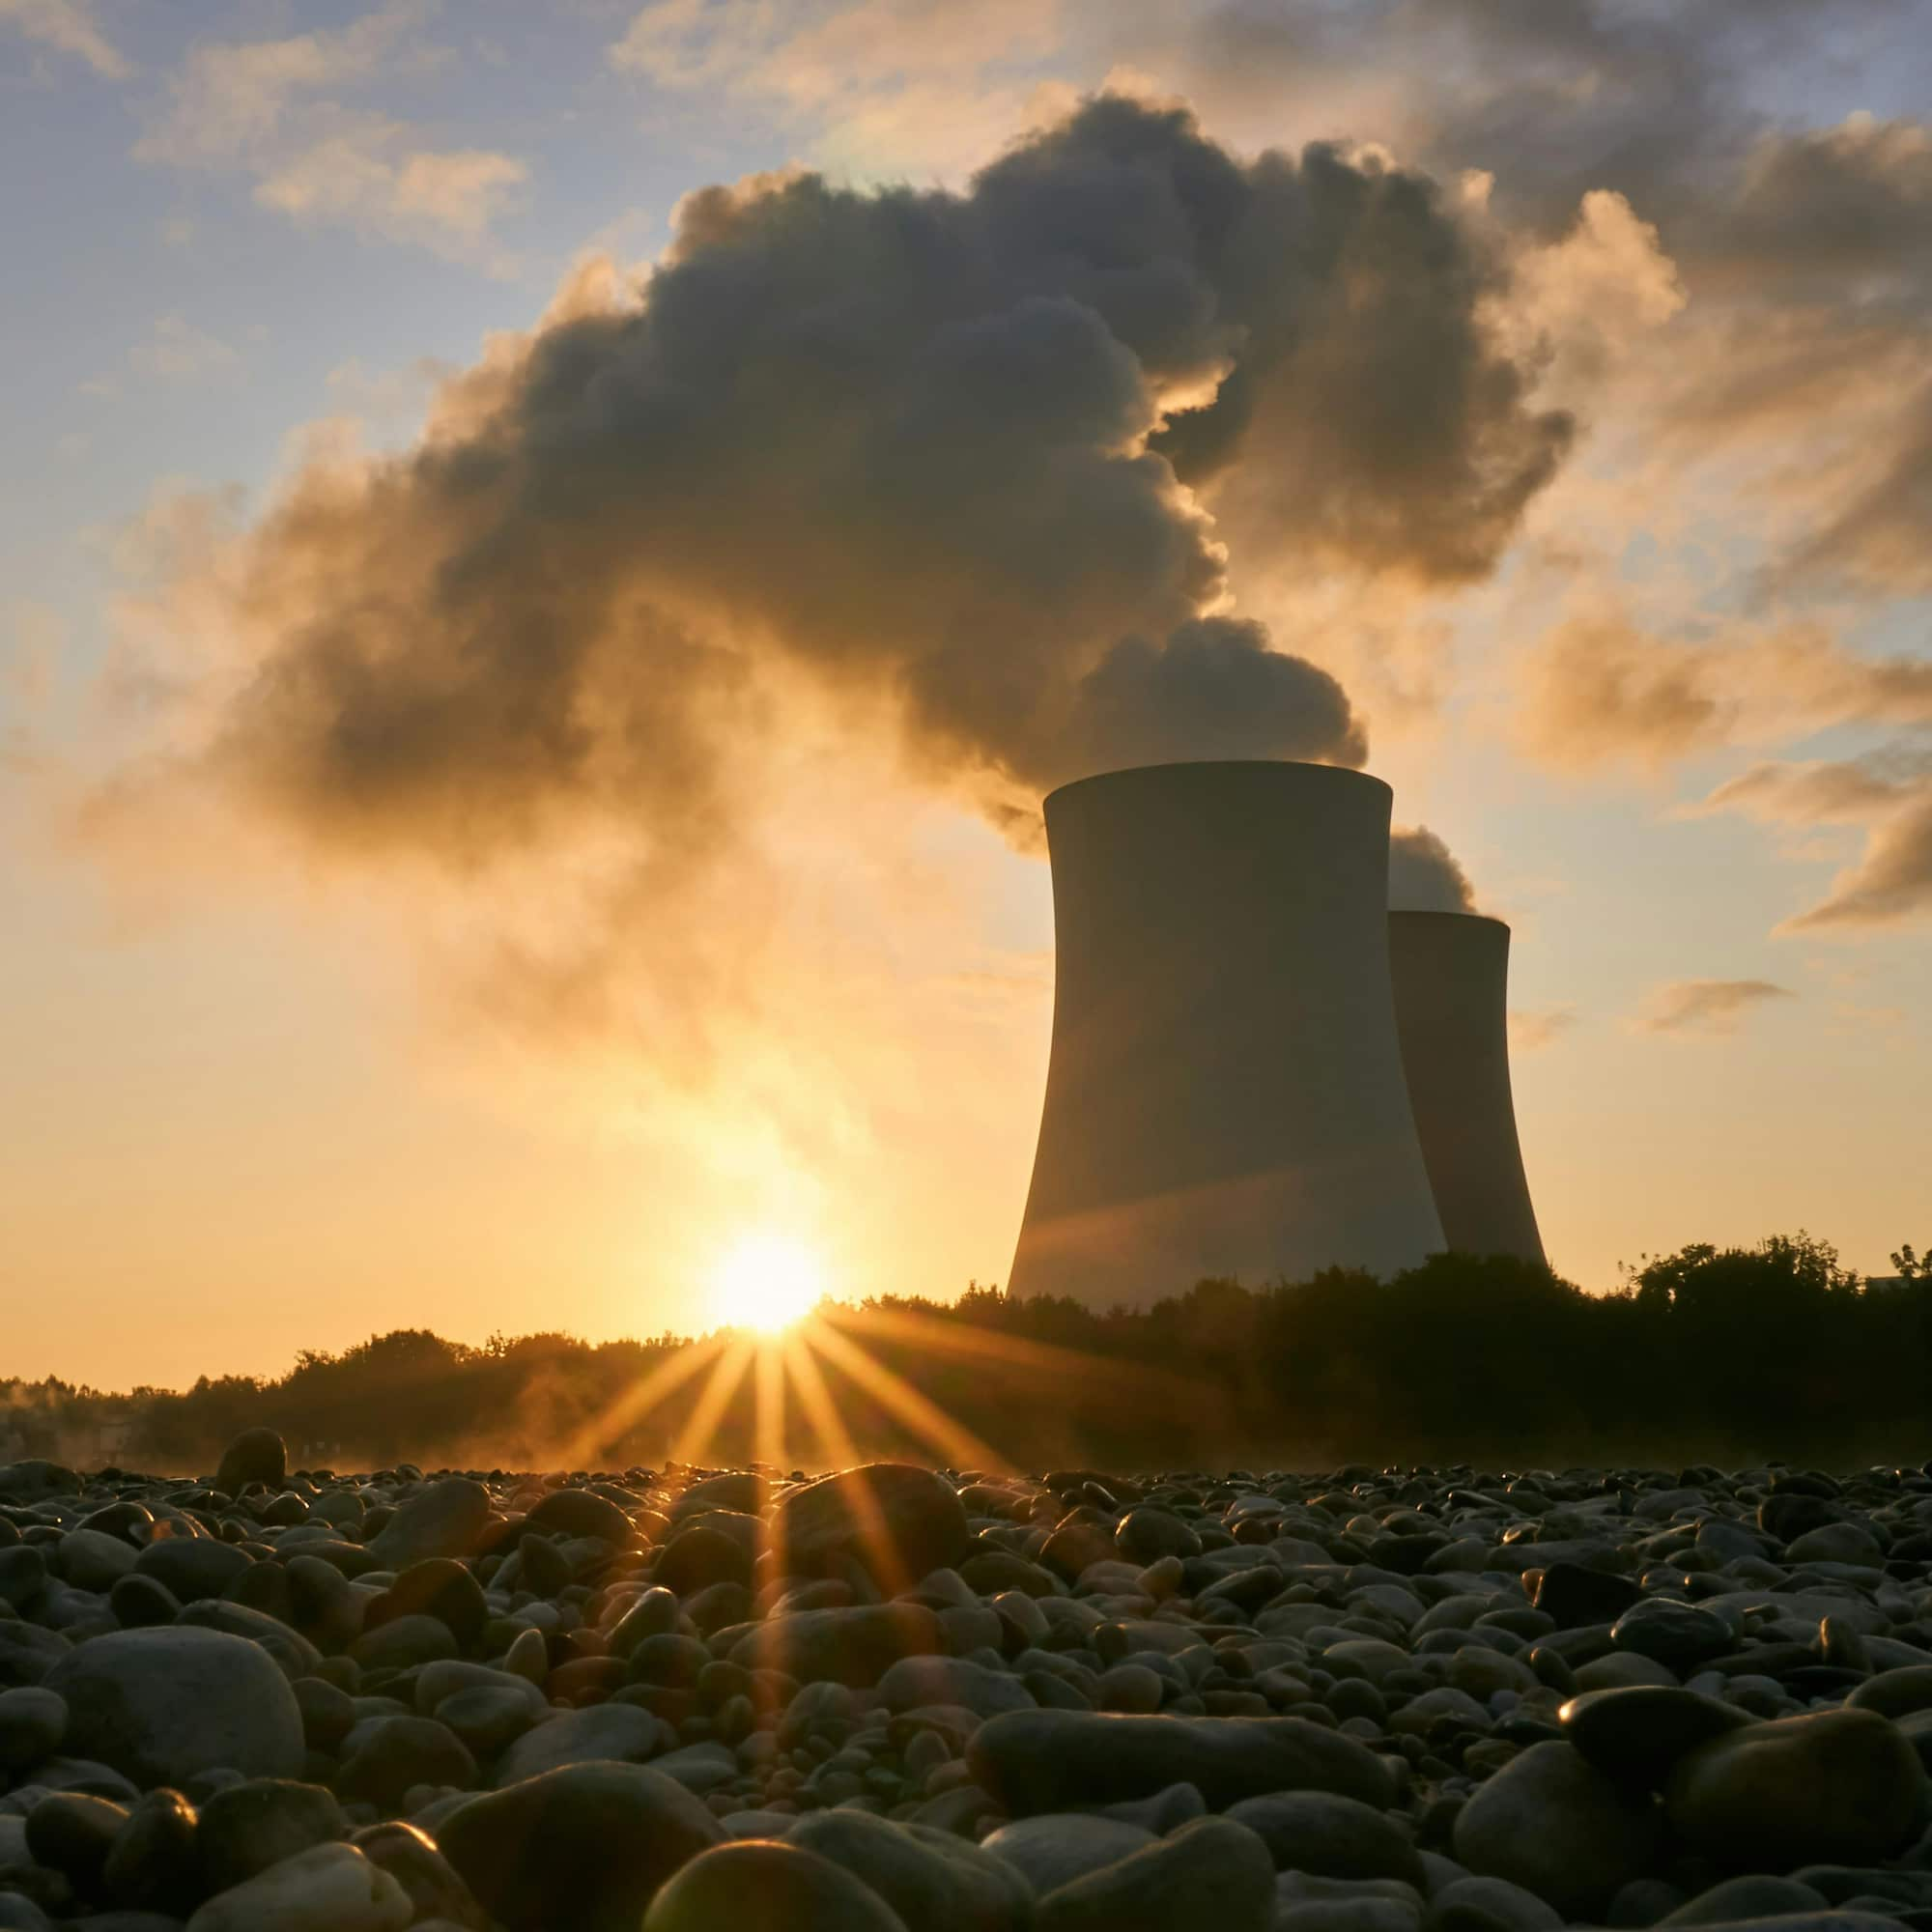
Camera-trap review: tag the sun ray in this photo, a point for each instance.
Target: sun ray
(697, 1434)
(630, 1408)
(919, 1412)
(962, 1339)
(815, 1398)
(768, 1411)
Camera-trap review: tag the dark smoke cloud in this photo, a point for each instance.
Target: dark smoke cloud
(1425, 876)
(930, 451)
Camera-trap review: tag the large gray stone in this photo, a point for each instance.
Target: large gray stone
(1836, 1786)
(325, 1889)
(1334, 1837)
(1553, 1823)
(160, 1705)
(934, 1881)
(1054, 1848)
(854, 1646)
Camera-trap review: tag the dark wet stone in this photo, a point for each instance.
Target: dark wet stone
(433, 1887)
(255, 1456)
(139, 1602)
(1677, 1635)
(614, 1733)
(1332, 1837)
(27, 1652)
(445, 1520)
(1572, 1595)
(569, 1512)
(1210, 1873)
(403, 1642)
(1051, 1760)
(395, 1753)
(1897, 1692)
(1552, 1822)
(1639, 1731)
(935, 1882)
(439, 1587)
(819, 1527)
(580, 1848)
(152, 1864)
(695, 1558)
(1755, 1895)
(192, 1566)
(72, 1833)
(253, 1825)
(1830, 1787)
(762, 1882)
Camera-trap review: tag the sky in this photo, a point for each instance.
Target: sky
(549, 556)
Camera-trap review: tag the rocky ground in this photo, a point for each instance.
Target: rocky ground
(895, 1700)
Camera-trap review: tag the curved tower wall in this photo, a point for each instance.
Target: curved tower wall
(1225, 1094)
(1451, 973)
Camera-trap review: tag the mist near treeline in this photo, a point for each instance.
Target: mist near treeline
(1722, 1355)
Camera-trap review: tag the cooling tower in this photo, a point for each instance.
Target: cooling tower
(1224, 1093)
(1451, 990)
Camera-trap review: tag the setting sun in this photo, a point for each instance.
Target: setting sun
(766, 1282)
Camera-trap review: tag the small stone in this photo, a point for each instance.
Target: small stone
(1490, 1905)
(1553, 1823)
(1573, 1596)
(1677, 1635)
(584, 1848)
(763, 1883)
(436, 1889)
(935, 1882)
(439, 1587)
(1148, 1533)
(33, 1721)
(1755, 1895)
(1055, 1848)
(72, 1833)
(327, 1888)
(1333, 1836)
(153, 1864)
(571, 1512)
(915, 1681)
(394, 1753)
(251, 1826)
(1210, 1873)
(611, 1733)
(855, 1646)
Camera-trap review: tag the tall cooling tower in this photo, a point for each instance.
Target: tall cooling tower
(1451, 992)
(1225, 1094)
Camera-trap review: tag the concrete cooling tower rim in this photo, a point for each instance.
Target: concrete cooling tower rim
(1130, 774)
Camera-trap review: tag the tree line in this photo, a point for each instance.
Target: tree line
(1707, 1354)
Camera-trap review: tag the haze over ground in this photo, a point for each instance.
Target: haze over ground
(371, 960)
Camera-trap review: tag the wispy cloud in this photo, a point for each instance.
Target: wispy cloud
(67, 26)
(1533, 1028)
(175, 351)
(1705, 1005)
(271, 109)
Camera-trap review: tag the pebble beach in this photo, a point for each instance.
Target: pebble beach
(902, 1699)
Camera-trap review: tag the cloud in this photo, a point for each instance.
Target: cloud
(1888, 794)
(1705, 1005)
(908, 447)
(1425, 875)
(67, 26)
(1531, 1028)
(175, 351)
(1599, 687)
(268, 107)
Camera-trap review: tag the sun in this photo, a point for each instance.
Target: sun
(767, 1282)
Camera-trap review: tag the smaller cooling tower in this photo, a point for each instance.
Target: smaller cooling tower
(1225, 1094)
(1451, 971)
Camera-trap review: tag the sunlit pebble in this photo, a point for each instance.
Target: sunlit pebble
(492, 1657)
